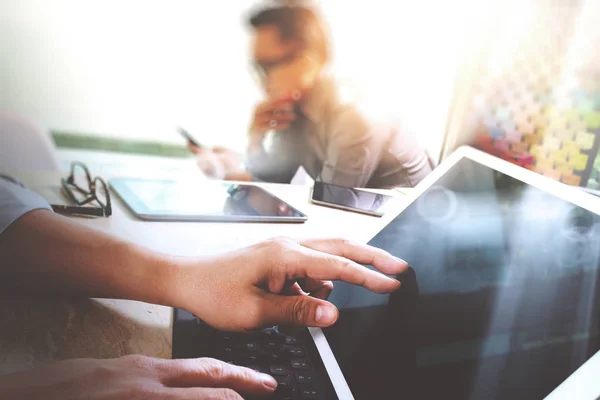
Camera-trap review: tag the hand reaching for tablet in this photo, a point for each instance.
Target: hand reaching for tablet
(262, 285)
(280, 281)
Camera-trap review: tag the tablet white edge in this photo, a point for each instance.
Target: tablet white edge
(582, 384)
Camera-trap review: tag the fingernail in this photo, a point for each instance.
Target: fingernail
(401, 260)
(268, 381)
(325, 315)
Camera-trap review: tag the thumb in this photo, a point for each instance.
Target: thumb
(298, 310)
(195, 149)
(211, 165)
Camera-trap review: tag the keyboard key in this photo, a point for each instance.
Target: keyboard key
(282, 393)
(285, 388)
(299, 363)
(255, 357)
(279, 370)
(228, 353)
(259, 368)
(273, 344)
(284, 382)
(275, 357)
(228, 339)
(295, 351)
(290, 340)
(304, 377)
(251, 346)
(308, 392)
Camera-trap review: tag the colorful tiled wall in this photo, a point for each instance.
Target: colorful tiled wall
(537, 101)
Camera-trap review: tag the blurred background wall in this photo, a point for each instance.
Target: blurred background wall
(134, 69)
(524, 74)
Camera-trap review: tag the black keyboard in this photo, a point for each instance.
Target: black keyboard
(290, 357)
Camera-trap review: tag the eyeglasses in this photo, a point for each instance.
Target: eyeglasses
(261, 69)
(93, 201)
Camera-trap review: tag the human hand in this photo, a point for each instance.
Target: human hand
(220, 163)
(280, 281)
(136, 377)
(193, 148)
(271, 114)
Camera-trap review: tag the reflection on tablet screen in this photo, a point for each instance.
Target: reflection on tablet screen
(207, 198)
(502, 300)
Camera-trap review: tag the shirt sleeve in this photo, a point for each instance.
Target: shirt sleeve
(354, 150)
(16, 201)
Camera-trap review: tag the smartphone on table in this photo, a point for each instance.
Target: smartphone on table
(350, 199)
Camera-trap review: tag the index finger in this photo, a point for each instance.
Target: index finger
(323, 266)
(361, 253)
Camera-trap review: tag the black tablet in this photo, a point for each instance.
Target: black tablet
(502, 300)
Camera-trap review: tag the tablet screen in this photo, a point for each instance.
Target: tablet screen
(201, 199)
(501, 301)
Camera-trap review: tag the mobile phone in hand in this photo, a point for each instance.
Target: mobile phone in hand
(186, 135)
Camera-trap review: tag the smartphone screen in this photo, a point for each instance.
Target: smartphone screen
(186, 135)
(350, 199)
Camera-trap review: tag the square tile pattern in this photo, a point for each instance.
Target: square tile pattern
(537, 99)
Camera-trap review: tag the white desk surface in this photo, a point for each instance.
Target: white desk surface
(34, 331)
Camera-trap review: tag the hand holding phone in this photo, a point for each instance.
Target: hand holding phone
(186, 135)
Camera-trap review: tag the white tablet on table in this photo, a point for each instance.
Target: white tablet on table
(167, 200)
